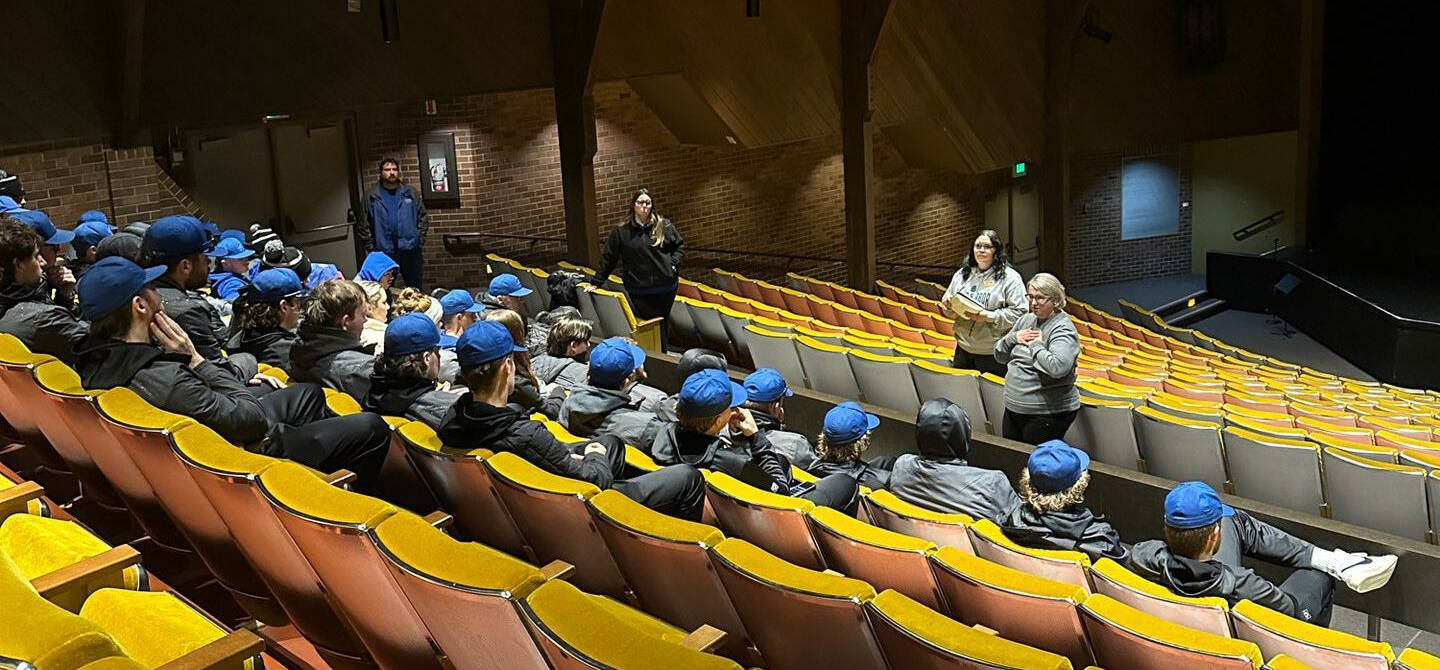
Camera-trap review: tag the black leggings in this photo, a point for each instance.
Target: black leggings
(677, 490)
(965, 360)
(838, 492)
(1037, 428)
(304, 430)
(652, 305)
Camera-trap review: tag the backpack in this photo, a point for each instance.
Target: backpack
(563, 287)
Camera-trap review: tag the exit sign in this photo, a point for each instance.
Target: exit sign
(1021, 169)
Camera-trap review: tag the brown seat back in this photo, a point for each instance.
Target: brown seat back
(771, 521)
(465, 490)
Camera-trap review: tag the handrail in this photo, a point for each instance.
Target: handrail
(1264, 223)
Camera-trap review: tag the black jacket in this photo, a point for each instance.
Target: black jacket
(333, 358)
(595, 411)
(199, 320)
(270, 346)
(207, 393)
(412, 398)
(475, 425)
(752, 461)
(1074, 529)
(795, 447)
(868, 474)
(645, 268)
(27, 312)
(526, 397)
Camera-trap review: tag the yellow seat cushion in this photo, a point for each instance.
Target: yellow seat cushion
(1309, 633)
(151, 627)
(1283, 662)
(1414, 659)
(745, 493)
(305, 492)
(203, 446)
(848, 526)
(127, 407)
(957, 638)
(341, 403)
(901, 507)
(612, 634)
(430, 551)
(421, 435)
(42, 633)
(627, 513)
(40, 546)
(523, 473)
(802, 476)
(58, 377)
(979, 570)
(989, 531)
(1117, 573)
(114, 663)
(640, 460)
(779, 572)
(1159, 630)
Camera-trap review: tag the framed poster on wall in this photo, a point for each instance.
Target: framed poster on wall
(439, 174)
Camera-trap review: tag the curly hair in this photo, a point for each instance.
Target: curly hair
(410, 301)
(841, 453)
(17, 243)
(1052, 502)
(405, 366)
(255, 316)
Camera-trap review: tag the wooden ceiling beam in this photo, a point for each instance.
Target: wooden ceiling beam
(860, 24)
(574, 27)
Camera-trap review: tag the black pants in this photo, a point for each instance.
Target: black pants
(965, 360)
(1036, 428)
(412, 266)
(839, 492)
(304, 430)
(1243, 535)
(677, 490)
(652, 305)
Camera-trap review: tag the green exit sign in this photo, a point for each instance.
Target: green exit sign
(1021, 169)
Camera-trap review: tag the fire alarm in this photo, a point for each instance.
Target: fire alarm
(429, 108)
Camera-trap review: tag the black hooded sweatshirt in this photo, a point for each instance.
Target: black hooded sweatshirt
(938, 477)
(474, 425)
(27, 312)
(1071, 529)
(334, 358)
(752, 460)
(270, 346)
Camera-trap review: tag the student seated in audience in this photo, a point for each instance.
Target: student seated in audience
(537, 334)
(53, 242)
(404, 383)
(938, 477)
(266, 316)
(123, 244)
(845, 438)
(483, 418)
(602, 406)
(530, 394)
(714, 432)
(1052, 514)
(412, 300)
(458, 310)
(377, 314)
(26, 310)
(1206, 539)
(89, 232)
(329, 352)
(565, 362)
(180, 244)
(506, 292)
(765, 394)
(380, 268)
(232, 270)
(128, 322)
(691, 362)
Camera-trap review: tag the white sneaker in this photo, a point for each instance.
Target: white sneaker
(1362, 572)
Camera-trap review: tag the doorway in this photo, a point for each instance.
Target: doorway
(296, 177)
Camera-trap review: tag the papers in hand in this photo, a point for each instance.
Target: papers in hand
(963, 305)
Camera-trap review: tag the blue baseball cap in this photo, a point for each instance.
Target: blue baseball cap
(411, 333)
(848, 422)
(42, 225)
(274, 285)
(767, 385)
(233, 234)
(1194, 505)
(93, 215)
(89, 234)
(110, 283)
(457, 301)
(8, 205)
(483, 342)
(175, 237)
(705, 393)
(1055, 466)
(508, 284)
(448, 341)
(612, 361)
(230, 248)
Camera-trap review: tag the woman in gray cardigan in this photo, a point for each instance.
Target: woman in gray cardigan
(988, 280)
(1040, 395)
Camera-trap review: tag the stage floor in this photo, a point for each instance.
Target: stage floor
(1401, 295)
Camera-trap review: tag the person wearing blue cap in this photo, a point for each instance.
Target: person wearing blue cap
(1053, 514)
(88, 234)
(266, 316)
(8, 205)
(602, 405)
(566, 359)
(506, 292)
(938, 476)
(712, 431)
(483, 418)
(843, 442)
(52, 246)
(231, 275)
(329, 352)
(765, 394)
(530, 393)
(404, 383)
(127, 324)
(1206, 539)
(380, 268)
(394, 221)
(26, 310)
(458, 310)
(691, 362)
(180, 243)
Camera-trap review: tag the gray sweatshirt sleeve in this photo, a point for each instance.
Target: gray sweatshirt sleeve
(1016, 304)
(1055, 356)
(1005, 345)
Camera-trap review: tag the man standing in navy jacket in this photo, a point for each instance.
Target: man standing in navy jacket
(395, 222)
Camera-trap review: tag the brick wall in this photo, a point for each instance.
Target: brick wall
(126, 184)
(1096, 254)
(779, 199)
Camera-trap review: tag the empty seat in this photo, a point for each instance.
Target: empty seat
(1382, 496)
(798, 618)
(885, 381)
(1390, 438)
(711, 328)
(21, 497)
(465, 489)
(1125, 638)
(883, 558)
(1274, 470)
(1414, 659)
(962, 387)
(990, 543)
(773, 521)
(1361, 449)
(1021, 607)
(992, 394)
(617, 319)
(1209, 615)
(1315, 646)
(1105, 429)
(889, 511)
(1361, 435)
(682, 322)
(770, 349)
(827, 367)
(1186, 409)
(65, 562)
(551, 514)
(1181, 449)
(915, 636)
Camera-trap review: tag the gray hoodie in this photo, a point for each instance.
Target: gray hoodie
(650, 399)
(332, 358)
(1041, 375)
(566, 372)
(1002, 294)
(591, 411)
(938, 477)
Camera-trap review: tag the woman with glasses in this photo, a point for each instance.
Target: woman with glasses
(986, 280)
(1040, 350)
(649, 251)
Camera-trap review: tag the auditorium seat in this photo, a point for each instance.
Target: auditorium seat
(1125, 638)
(990, 543)
(1253, 401)
(1283, 662)
(891, 512)
(17, 393)
(885, 381)
(734, 323)
(795, 301)
(1390, 438)
(331, 528)
(849, 317)
(1420, 459)
(1181, 449)
(682, 322)
(50, 421)
(1275, 419)
(552, 516)
(666, 562)
(798, 618)
(1021, 607)
(1382, 496)
(1316, 646)
(1104, 389)
(934, 379)
(773, 521)
(834, 338)
(992, 395)
(1208, 615)
(885, 559)
(866, 342)
(341, 403)
(1194, 392)
(1331, 416)
(1414, 659)
(1105, 429)
(827, 367)
(1382, 425)
(712, 330)
(938, 337)
(902, 332)
(465, 489)
(1361, 449)
(21, 497)
(915, 636)
(64, 562)
(1274, 470)
(1193, 410)
(617, 320)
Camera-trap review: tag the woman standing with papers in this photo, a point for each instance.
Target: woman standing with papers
(985, 298)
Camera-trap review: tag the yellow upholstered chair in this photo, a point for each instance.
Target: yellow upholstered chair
(64, 562)
(883, 558)
(916, 636)
(1124, 637)
(773, 521)
(990, 543)
(1209, 615)
(465, 488)
(891, 512)
(1312, 645)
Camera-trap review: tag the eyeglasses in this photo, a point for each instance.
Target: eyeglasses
(984, 247)
(1038, 298)
(644, 203)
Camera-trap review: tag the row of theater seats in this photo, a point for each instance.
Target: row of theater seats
(607, 308)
